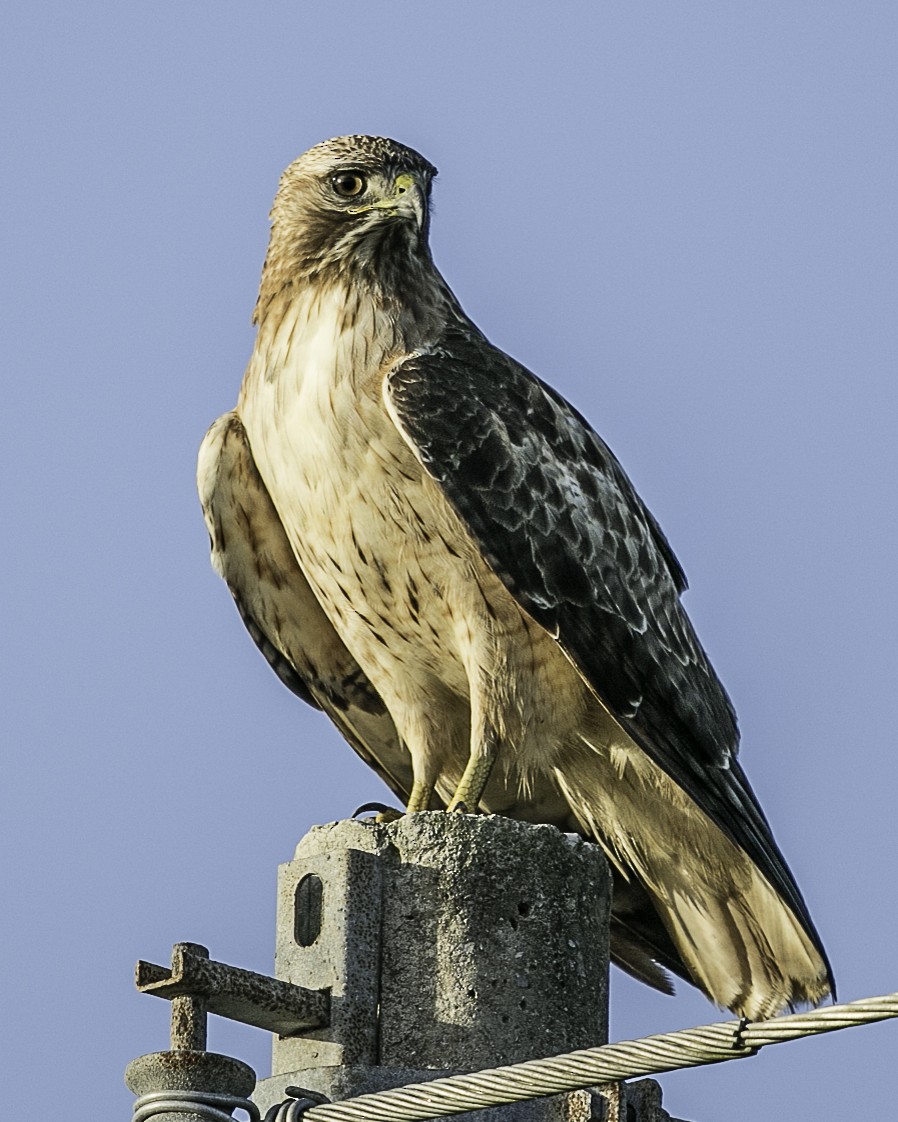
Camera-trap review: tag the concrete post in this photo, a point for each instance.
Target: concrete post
(448, 943)
(440, 943)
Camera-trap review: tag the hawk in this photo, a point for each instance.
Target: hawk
(431, 545)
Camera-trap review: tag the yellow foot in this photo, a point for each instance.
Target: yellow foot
(388, 814)
(420, 797)
(468, 793)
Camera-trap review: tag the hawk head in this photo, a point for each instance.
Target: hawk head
(355, 206)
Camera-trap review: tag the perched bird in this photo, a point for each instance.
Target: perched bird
(430, 544)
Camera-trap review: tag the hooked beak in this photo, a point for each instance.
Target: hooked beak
(407, 199)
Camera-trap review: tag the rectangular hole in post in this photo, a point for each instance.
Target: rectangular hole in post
(307, 910)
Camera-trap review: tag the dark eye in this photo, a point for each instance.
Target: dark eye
(349, 184)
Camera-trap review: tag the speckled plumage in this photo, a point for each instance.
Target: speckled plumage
(431, 545)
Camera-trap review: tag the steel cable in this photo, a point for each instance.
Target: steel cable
(650, 1055)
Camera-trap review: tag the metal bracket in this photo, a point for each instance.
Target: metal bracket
(197, 985)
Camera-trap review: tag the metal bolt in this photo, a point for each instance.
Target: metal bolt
(189, 1010)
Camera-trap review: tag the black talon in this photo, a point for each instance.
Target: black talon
(375, 808)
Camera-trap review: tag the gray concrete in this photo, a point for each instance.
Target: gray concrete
(495, 943)
(348, 858)
(437, 944)
(448, 943)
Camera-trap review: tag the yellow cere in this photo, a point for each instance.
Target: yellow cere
(401, 185)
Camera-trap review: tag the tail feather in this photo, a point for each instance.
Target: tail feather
(633, 958)
(747, 952)
(740, 941)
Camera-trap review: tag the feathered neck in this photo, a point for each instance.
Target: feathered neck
(385, 258)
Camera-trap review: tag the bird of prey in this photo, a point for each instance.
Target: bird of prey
(431, 545)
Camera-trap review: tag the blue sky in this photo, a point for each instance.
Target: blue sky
(681, 215)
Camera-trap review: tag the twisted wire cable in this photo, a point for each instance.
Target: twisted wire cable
(650, 1055)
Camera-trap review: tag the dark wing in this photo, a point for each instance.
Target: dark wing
(251, 552)
(563, 528)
